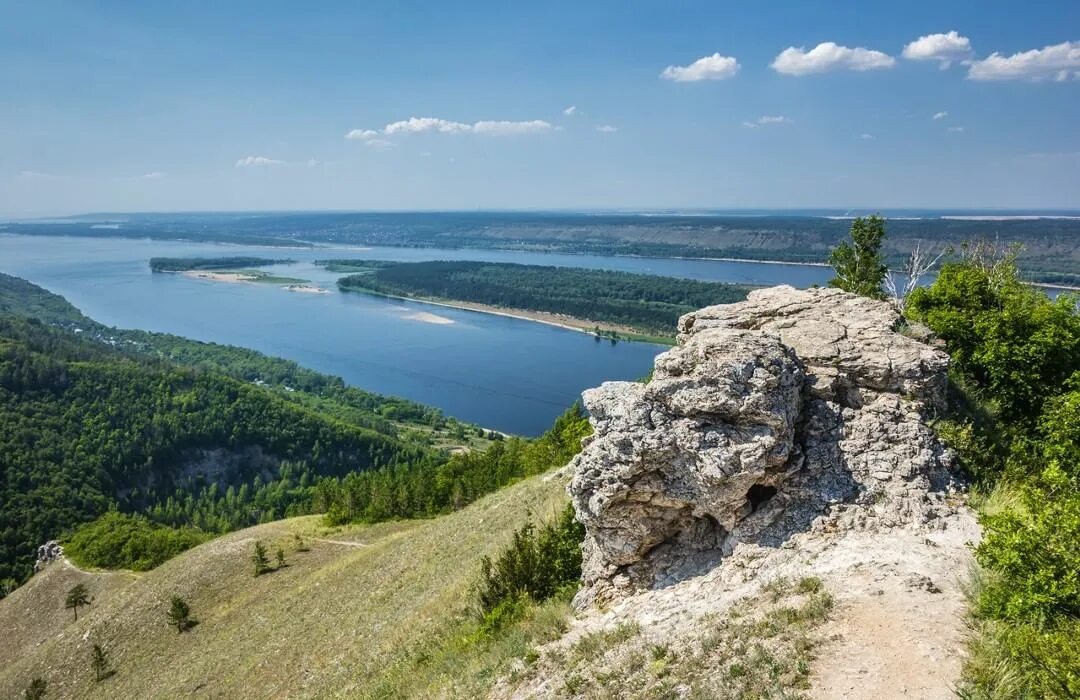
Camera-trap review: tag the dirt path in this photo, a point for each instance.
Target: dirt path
(897, 633)
(344, 543)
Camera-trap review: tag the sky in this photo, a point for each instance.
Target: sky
(273, 105)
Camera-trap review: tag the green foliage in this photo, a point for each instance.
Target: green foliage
(426, 488)
(280, 558)
(535, 566)
(179, 614)
(258, 557)
(85, 428)
(649, 303)
(1013, 343)
(36, 689)
(119, 541)
(1016, 419)
(860, 267)
(77, 597)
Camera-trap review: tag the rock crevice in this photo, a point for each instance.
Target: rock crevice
(794, 411)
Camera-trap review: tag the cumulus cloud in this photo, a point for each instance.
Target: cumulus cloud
(829, 56)
(939, 115)
(569, 111)
(866, 137)
(1058, 62)
(607, 129)
(943, 48)
(257, 162)
(419, 125)
(362, 134)
(765, 121)
(416, 125)
(505, 127)
(715, 67)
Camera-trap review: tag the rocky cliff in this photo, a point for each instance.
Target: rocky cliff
(792, 412)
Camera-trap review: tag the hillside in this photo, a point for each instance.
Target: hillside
(187, 433)
(345, 619)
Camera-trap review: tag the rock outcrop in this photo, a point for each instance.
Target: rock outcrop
(791, 413)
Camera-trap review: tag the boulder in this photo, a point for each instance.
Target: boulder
(793, 411)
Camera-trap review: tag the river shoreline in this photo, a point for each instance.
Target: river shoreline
(569, 323)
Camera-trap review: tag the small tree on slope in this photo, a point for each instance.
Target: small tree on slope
(858, 265)
(76, 598)
(180, 614)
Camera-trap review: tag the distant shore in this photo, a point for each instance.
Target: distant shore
(569, 323)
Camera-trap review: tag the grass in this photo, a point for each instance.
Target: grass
(762, 649)
(338, 621)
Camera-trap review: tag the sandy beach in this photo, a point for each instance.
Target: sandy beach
(232, 277)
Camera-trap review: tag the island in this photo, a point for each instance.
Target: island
(606, 303)
(234, 269)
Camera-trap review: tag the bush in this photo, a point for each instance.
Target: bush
(536, 565)
(119, 541)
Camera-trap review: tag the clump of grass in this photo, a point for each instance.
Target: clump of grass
(762, 649)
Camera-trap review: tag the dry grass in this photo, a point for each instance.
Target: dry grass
(338, 621)
(762, 649)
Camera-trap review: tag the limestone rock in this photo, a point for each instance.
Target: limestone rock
(794, 411)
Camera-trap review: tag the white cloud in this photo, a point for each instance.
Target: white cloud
(257, 162)
(607, 129)
(1059, 62)
(416, 125)
(36, 175)
(505, 127)
(715, 67)
(569, 111)
(943, 48)
(154, 175)
(829, 56)
(939, 115)
(419, 125)
(362, 134)
(866, 137)
(765, 121)
(378, 143)
(956, 129)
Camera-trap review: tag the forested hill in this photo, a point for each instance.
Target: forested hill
(647, 303)
(93, 419)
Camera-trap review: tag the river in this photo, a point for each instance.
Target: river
(499, 372)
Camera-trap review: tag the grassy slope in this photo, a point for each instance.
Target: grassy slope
(330, 624)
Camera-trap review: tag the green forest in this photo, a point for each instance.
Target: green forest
(194, 436)
(222, 263)
(650, 304)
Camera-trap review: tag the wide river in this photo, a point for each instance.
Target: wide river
(499, 372)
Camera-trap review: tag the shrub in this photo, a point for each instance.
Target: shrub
(537, 563)
(119, 541)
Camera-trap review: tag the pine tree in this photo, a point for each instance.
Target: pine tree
(859, 266)
(280, 557)
(99, 661)
(77, 597)
(180, 614)
(36, 689)
(262, 564)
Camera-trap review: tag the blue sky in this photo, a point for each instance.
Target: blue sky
(137, 106)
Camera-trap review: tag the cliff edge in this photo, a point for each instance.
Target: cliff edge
(785, 438)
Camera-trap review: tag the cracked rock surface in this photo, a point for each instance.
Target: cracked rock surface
(793, 414)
